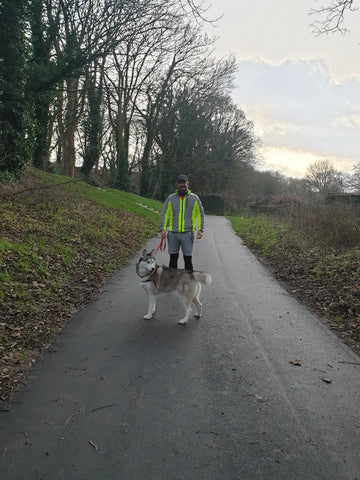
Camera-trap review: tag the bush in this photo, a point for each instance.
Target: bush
(7, 178)
(213, 204)
(335, 226)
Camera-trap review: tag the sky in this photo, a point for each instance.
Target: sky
(302, 91)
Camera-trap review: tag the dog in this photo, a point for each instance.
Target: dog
(157, 279)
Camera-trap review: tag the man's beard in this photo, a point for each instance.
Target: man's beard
(183, 190)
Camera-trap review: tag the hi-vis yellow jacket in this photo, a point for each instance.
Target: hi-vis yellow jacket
(182, 213)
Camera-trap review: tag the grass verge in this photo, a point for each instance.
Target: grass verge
(59, 242)
(322, 271)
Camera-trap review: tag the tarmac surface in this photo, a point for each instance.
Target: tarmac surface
(258, 388)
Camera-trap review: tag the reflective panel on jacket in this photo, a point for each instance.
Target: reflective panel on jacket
(182, 214)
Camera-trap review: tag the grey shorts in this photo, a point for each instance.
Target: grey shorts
(184, 240)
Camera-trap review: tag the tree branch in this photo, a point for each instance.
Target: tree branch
(332, 17)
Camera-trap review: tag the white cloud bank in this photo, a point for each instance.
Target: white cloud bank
(300, 113)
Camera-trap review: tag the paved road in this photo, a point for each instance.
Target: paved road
(117, 397)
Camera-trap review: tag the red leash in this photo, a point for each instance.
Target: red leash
(161, 246)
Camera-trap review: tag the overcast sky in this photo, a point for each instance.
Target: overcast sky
(301, 91)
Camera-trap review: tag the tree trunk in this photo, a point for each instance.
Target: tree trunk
(41, 152)
(93, 125)
(68, 138)
(122, 165)
(145, 170)
(68, 152)
(145, 158)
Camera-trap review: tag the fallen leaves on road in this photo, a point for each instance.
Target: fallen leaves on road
(259, 399)
(297, 363)
(326, 380)
(93, 445)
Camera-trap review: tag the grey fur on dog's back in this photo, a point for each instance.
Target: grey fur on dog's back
(172, 278)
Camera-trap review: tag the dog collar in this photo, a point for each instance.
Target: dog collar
(151, 277)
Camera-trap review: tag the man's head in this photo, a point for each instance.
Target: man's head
(182, 184)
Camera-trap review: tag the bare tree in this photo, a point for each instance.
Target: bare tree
(87, 31)
(184, 57)
(200, 130)
(322, 177)
(354, 179)
(131, 66)
(136, 34)
(331, 17)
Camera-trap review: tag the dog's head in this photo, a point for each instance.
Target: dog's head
(146, 264)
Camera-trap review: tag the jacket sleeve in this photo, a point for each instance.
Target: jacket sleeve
(166, 214)
(200, 214)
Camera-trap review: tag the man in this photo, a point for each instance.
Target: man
(183, 213)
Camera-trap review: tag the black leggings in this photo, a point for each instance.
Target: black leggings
(187, 260)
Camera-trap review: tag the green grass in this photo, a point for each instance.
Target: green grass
(57, 247)
(108, 198)
(317, 260)
(261, 232)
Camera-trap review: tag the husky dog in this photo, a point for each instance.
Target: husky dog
(156, 279)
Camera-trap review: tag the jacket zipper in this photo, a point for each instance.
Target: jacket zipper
(182, 200)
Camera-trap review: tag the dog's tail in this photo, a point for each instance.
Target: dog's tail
(202, 277)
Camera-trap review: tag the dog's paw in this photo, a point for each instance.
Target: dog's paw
(147, 317)
(183, 321)
(197, 315)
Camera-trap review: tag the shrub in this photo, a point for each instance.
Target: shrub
(213, 204)
(335, 226)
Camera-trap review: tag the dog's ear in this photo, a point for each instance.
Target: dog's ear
(144, 252)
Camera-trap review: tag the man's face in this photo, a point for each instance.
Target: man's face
(182, 187)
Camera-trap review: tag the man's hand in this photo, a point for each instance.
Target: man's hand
(163, 233)
(199, 235)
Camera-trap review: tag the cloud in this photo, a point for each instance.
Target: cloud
(290, 91)
(293, 162)
(296, 106)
